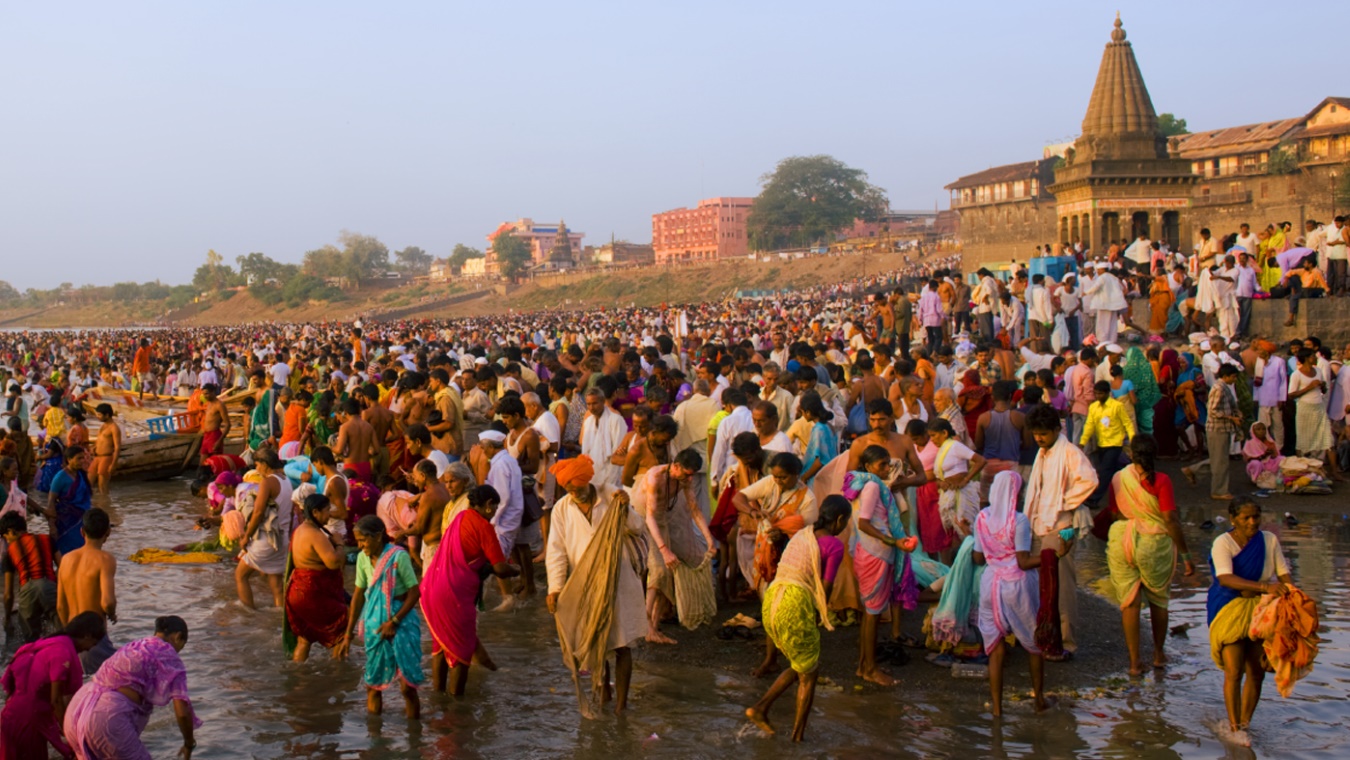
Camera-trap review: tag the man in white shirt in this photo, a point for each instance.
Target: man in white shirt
(1337, 242)
(1071, 306)
(505, 478)
(1246, 288)
(1040, 313)
(738, 420)
(1225, 296)
(1139, 252)
(280, 372)
(986, 300)
(1109, 300)
(1246, 240)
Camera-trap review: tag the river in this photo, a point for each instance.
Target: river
(256, 704)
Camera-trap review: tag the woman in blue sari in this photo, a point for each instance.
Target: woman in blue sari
(385, 605)
(69, 497)
(1247, 563)
(823, 445)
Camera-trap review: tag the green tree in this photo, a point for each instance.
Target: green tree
(323, 262)
(258, 268)
(1169, 125)
(513, 254)
(413, 260)
(806, 199)
(364, 257)
(8, 294)
(461, 254)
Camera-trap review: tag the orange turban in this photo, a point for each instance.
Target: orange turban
(1266, 345)
(573, 472)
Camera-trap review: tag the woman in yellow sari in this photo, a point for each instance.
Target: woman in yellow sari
(1141, 553)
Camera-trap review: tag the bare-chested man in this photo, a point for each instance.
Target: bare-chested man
(430, 508)
(85, 584)
(215, 422)
(656, 448)
(382, 420)
(904, 457)
(522, 442)
(107, 447)
(356, 440)
(334, 487)
(632, 444)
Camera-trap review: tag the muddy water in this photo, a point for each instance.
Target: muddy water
(255, 704)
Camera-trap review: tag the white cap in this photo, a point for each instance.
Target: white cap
(480, 360)
(1112, 348)
(492, 435)
(1204, 345)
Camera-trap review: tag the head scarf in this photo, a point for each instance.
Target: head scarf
(1258, 447)
(573, 472)
(1138, 371)
(1000, 519)
(1172, 363)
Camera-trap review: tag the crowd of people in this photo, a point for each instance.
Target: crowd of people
(839, 456)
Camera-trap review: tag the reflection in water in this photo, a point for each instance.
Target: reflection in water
(257, 704)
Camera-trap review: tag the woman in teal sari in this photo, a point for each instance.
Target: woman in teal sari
(384, 604)
(823, 445)
(1146, 392)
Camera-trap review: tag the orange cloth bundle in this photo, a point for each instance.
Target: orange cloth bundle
(1288, 627)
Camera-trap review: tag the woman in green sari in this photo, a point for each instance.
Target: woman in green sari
(1146, 391)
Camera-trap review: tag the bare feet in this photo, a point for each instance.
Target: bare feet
(1222, 497)
(760, 720)
(656, 637)
(879, 677)
(508, 604)
(1136, 671)
(484, 661)
(1188, 475)
(1045, 703)
(1160, 661)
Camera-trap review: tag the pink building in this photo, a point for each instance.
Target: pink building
(542, 238)
(714, 229)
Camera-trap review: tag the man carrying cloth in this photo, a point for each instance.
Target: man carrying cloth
(594, 588)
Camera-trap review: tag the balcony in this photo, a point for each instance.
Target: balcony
(1222, 199)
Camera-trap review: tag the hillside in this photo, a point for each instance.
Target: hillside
(644, 287)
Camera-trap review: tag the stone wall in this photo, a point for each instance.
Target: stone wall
(1264, 199)
(1326, 318)
(997, 233)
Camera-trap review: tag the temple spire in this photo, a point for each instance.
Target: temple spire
(1120, 118)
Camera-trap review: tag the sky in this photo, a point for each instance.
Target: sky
(138, 135)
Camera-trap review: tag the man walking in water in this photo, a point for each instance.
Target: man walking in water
(356, 440)
(215, 422)
(85, 584)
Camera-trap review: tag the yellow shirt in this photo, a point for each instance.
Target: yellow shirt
(1109, 423)
(55, 423)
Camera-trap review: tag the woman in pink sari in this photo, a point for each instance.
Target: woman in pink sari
(453, 583)
(1010, 587)
(39, 683)
(1262, 456)
(107, 716)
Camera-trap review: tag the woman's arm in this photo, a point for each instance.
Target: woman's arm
(353, 614)
(1179, 539)
(182, 710)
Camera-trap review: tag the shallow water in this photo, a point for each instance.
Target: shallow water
(255, 704)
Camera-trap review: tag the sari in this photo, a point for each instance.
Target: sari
(1227, 611)
(316, 606)
(787, 516)
(260, 423)
(74, 497)
(400, 657)
(1159, 302)
(974, 399)
(960, 595)
(882, 579)
(1140, 554)
(450, 589)
(1009, 595)
(795, 600)
(102, 723)
(27, 721)
(1190, 386)
(1263, 457)
(1164, 412)
(1146, 391)
(822, 446)
(955, 505)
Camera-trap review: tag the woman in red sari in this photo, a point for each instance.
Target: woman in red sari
(1165, 411)
(975, 399)
(452, 584)
(316, 602)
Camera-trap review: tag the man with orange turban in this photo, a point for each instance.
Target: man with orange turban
(594, 590)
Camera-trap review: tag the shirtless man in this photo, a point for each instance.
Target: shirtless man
(334, 487)
(633, 442)
(881, 419)
(522, 442)
(356, 440)
(85, 584)
(382, 420)
(430, 506)
(215, 422)
(107, 447)
(654, 449)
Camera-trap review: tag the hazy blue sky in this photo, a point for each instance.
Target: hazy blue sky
(135, 135)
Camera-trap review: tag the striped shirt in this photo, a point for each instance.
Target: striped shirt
(1222, 404)
(31, 556)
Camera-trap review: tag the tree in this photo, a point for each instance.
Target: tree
(1282, 159)
(413, 260)
(806, 199)
(364, 257)
(8, 293)
(323, 262)
(513, 254)
(461, 254)
(1169, 125)
(258, 268)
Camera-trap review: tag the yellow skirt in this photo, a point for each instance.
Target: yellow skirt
(790, 622)
(1231, 626)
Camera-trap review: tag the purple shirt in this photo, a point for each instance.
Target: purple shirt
(831, 556)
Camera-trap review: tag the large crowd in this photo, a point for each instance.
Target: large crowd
(844, 455)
